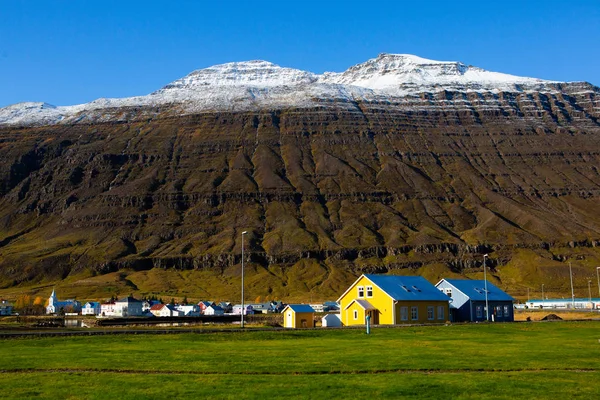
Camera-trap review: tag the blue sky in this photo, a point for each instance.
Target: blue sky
(71, 52)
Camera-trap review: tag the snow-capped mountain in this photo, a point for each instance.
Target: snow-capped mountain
(241, 86)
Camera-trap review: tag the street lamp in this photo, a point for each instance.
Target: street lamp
(590, 290)
(487, 310)
(242, 310)
(598, 275)
(542, 295)
(572, 291)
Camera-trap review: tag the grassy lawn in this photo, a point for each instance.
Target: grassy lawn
(540, 360)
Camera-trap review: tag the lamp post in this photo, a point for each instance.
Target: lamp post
(598, 275)
(590, 290)
(242, 310)
(487, 310)
(572, 291)
(542, 295)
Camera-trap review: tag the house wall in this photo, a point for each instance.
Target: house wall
(349, 315)
(469, 311)
(379, 300)
(459, 299)
(422, 315)
(299, 317)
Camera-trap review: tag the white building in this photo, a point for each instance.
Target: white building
(128, 307)
(248, 310)
(214, 310)
(107, 309)
(56, 306)
(165, 310)
(91, 308)
(331, 321)
(189, 310)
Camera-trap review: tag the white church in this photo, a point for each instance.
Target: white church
(55, 306)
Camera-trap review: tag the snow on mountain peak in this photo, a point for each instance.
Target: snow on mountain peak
(247, 73)
(249, 85)
(393, 70)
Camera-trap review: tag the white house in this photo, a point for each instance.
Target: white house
(91, 308)
(107, 309)
(128, 307)
(189, 310)
(165, 310)
(331, 321)
(147, 304)
(214, 310)
(248, 310)
(5, 307)
(56, 306)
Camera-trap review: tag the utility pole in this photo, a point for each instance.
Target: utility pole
(590, 290)
(572, 291)
(543, 299)
(242, 310)
(487, 308)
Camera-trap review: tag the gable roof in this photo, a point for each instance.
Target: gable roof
(215, 308)
(93, 304)
(474, 290)
(407, 287)
(363, 303)
(299, 308)
(157, 307)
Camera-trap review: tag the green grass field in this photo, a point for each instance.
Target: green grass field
(505, 361)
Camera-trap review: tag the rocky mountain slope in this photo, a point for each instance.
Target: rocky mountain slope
(399, 164)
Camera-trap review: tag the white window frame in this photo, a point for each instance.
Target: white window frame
(440, 313)
(369, 291)
(361, 292)
(506, 311)
(430, 313)
(404, 313)
(414, 313)
(355, 314)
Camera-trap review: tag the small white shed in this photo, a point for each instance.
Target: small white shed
(331, 321)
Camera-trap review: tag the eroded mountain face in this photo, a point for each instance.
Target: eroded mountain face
(423, 183)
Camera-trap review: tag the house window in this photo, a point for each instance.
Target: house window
(430, 315)
(441, 312)
(506, 311)
(414, 313)
(361, 291)
(498, 311)
(404, 313)
(355, 314)
(369, 291)
(479, 311)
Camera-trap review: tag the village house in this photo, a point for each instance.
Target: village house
(203, 305)
(147, 305)
(91, 308)
(214, 310)
(298, 316)
(331, 321)
(248, 310)
(55, 306)
(469, 300)
(5, 307)
(188, 310)
(165, 310)
(391, 299)
(107, 309)
(226, 306)
(128, 307)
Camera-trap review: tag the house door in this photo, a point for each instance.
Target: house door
(374, 317)
(288, 323)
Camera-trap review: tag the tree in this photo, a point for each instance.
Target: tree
(172, 302)
(185, 300)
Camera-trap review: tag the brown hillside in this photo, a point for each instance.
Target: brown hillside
(158, 206)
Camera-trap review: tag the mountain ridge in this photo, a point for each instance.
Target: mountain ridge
(257, 84)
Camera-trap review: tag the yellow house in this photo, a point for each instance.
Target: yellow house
(391, 299)
(298, 316)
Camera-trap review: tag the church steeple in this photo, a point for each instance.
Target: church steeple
(52, 298)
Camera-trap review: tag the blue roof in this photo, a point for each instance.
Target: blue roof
(301, 308)
(407, 287)
(475, 290)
